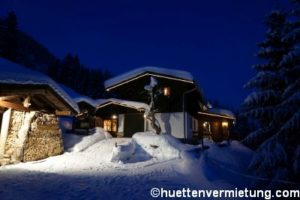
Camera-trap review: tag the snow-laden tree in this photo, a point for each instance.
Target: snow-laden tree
(268, 84)
(285, 143)
(278, 153)
(153, 93)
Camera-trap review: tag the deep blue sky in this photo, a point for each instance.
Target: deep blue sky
(215, 40)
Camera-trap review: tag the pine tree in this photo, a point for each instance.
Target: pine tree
(268, 83)
(286, 153)
(279, 150)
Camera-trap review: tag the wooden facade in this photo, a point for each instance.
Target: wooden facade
(177, 95)
(215, 127)
(170, 102)
(120, 120)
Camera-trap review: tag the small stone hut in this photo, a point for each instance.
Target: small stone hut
(30, 103)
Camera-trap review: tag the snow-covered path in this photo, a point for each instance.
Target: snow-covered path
(90, 175)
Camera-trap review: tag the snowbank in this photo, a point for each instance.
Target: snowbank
(78, 143)
(146, 146)
(162, 147)
(122, 151)
(234, 155)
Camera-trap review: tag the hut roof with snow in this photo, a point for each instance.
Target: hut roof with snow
(129, 104)
(149, 71)
(19, 84)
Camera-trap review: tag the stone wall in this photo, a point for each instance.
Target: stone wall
(43, 138)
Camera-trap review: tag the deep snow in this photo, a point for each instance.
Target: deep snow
(98, 166)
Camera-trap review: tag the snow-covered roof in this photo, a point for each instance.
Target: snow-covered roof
(79, 97)
(12, 73)
(220, 111)
(121, 102)
(92, 102)
(155, 71)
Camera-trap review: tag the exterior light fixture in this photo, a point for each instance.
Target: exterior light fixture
(114, 117)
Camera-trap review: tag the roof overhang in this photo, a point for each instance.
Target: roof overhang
(118, 104)
(217, 115)
(124, 103)
(42, 96)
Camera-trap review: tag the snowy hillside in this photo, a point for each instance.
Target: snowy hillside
(97, 166)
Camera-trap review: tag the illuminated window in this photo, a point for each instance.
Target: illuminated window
(225, 129)
(167, 91)
(110, 125)
(225, 124)
(107, 125)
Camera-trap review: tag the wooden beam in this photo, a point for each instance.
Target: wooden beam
(14, 106)
(21, 92)
(9, 97)
(51, 96)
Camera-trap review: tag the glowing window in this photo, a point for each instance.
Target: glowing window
(110, 125)
(224, 124)
(167, 91)
(107, 125)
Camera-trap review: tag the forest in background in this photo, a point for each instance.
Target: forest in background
(19, 47)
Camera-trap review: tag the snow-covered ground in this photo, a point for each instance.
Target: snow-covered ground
(100, 167)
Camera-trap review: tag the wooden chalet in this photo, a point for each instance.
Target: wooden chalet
(181, 107)
(29, 105)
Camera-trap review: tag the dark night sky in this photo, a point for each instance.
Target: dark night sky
(215, 40)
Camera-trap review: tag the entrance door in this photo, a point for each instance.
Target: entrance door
(110, 125)
(133, 123)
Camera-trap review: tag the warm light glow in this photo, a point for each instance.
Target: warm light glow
(205, 124)
(107, 125)
(167, 91)
(224, 124)
(114, 117)
(110, 125)
(145, 116)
